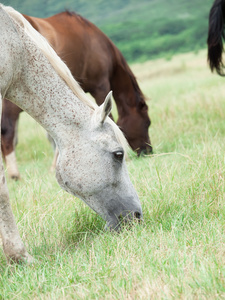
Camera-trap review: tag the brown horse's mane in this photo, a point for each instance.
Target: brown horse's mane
(133, 79)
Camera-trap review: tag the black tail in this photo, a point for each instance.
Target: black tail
(216, 36)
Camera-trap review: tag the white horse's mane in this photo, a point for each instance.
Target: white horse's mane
(59, 66)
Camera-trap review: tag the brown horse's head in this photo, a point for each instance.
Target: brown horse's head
(135, 127)
(133, 118)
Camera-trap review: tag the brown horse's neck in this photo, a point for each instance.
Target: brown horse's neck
(125, 88)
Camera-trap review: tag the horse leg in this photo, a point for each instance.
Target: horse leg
(12, 244)
(10, 116)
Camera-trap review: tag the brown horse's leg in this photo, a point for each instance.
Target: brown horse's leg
(10, 116)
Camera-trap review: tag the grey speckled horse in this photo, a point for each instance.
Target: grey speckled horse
(91, 162)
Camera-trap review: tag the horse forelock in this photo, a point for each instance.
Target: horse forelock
(59, 66)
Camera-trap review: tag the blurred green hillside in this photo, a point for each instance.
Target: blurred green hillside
(142, 30)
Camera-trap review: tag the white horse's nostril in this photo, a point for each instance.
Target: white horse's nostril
(137, 215)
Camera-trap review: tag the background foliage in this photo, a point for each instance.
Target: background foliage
(142, 30)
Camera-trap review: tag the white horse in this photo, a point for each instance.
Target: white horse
(91, 162)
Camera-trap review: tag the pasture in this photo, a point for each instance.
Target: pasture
(178, 252)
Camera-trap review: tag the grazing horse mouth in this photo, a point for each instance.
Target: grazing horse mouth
(145, 150)
(123, 220)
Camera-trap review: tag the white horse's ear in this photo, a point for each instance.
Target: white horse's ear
(106, 107)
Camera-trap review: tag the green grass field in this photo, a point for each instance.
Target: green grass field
(179, 250)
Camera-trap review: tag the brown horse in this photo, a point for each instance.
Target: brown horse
(98, 65)
(216, 35)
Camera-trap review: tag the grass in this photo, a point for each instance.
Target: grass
(178, 253)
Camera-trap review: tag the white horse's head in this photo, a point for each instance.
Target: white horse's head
(91, 162)
(93, 168)
(91, 157)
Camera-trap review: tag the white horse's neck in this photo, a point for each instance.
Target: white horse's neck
(45, 96)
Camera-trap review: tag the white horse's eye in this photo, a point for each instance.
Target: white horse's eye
(118, 155)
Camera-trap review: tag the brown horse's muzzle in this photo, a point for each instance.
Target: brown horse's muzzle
(146, 150)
